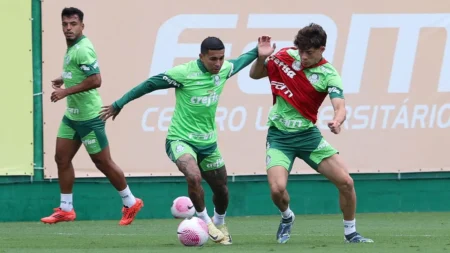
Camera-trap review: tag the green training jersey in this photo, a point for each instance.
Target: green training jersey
(324, 78)
(197, 96)
(80, 61)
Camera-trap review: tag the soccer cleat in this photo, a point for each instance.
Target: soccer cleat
(227, 237)
(59, 216)
(129, 213)
(284, 230)
(214, 233)
(356, 238)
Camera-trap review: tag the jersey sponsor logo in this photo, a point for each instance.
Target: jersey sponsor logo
(282, 87)
(334, 90)
(84, 68)
(73, 110)
(195, 74)
(289, 123)
(89, 142)
(286, 69)
(209, 100)
(201, 136)
(67, 75)
(171, 81)
(322, 145)
(217, 164)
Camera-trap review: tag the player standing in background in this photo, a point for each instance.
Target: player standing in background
(191, 141)
(300, 79)
(81, 122)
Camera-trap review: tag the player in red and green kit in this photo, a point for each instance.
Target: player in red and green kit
(81, 123)
(191, 141)
(300, 79)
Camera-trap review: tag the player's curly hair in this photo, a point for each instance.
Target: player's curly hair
(71, 11)
(311, 36)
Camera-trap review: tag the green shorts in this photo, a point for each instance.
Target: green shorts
(208, 157)
(309, 145)
(90, 132)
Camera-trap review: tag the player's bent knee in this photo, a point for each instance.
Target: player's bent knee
(194, 179)
(277, 187)
(346, 184)
(62, 161)
(101, 163)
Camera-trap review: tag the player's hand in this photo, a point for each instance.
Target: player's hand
(107, 112)
(57, 83)
(58, 94)
(334, 126)
(265, 48)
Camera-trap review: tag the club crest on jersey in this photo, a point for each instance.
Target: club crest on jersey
(296, 65)
(67, 59)
(179, 148)
(216, 80)
(268, 160)
(314, 78)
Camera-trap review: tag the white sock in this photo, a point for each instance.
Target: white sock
(127, 197)
(286, 214)
(204, 216)
(349, 226)
(66, 202)
(219, 219)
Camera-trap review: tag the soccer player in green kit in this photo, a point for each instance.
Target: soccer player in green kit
(81, 122)
(300, 79)
(191, 141)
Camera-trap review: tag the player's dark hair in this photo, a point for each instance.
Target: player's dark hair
(71, 11)
(311, 36)
(211, 43)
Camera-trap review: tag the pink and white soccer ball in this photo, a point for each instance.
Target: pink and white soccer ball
(193, 232)
(182, 208)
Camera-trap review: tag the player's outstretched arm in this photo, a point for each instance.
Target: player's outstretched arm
(244, 60)
(158, 82)
(265, 49)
